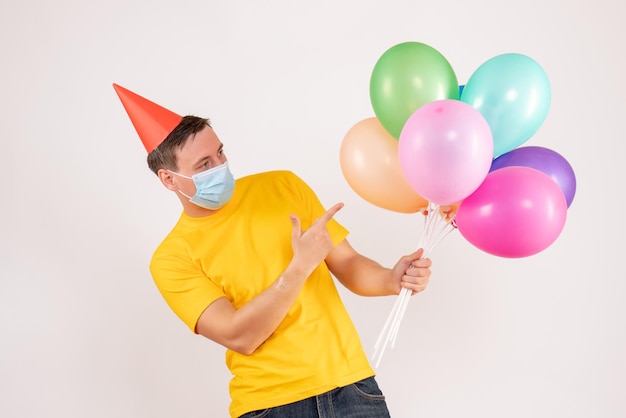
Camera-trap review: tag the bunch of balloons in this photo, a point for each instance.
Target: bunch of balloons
(434, 141)
(451, 150)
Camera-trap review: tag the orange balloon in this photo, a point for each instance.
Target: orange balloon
(369, 162)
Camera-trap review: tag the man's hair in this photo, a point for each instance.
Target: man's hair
(164, 156)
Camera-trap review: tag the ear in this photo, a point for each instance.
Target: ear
(167, 179)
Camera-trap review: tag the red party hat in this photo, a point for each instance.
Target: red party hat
(152, 122)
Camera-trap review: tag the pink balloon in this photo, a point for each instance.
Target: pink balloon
(445, 150)
(516, 212)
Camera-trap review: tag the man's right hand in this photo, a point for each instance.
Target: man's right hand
(311, 247)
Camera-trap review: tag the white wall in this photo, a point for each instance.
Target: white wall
(83, 331)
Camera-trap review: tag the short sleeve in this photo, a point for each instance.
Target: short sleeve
(183, 285)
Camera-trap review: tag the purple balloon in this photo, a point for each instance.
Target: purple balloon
(545, 160)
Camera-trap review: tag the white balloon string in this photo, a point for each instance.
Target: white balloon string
(406, 295)
(436, 228)
(387, 325)
(430, 230)
(390, 324)
(383, 338)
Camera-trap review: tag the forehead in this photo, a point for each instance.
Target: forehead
(204, 144)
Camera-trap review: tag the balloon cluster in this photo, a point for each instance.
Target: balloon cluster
(453, 152)
(458, 147)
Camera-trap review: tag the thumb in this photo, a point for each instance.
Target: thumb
(418, 254)
(296, 230)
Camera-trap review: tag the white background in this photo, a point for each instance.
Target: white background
(83, 331)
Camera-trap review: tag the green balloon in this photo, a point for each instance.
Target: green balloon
(405, 77)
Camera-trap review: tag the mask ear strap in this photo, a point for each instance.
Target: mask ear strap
(180, 191)
(184, 176)
(178, 174)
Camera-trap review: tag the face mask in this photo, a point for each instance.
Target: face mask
(214, 187)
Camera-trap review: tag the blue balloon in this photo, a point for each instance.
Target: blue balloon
(512, 92)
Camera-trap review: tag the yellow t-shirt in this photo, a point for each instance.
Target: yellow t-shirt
(237, 253)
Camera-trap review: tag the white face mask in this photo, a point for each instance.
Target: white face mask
(214, 187)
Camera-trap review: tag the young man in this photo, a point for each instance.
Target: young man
(248, 265)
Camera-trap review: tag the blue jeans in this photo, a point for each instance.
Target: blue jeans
(362, 399)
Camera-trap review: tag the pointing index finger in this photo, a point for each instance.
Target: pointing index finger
(330, 213)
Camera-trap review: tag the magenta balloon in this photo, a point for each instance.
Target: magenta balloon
(445, 150)
(545, 160)
(516, 212)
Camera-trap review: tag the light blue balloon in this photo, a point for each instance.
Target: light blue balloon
(512, 92)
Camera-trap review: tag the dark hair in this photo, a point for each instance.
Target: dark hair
(164, 156)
